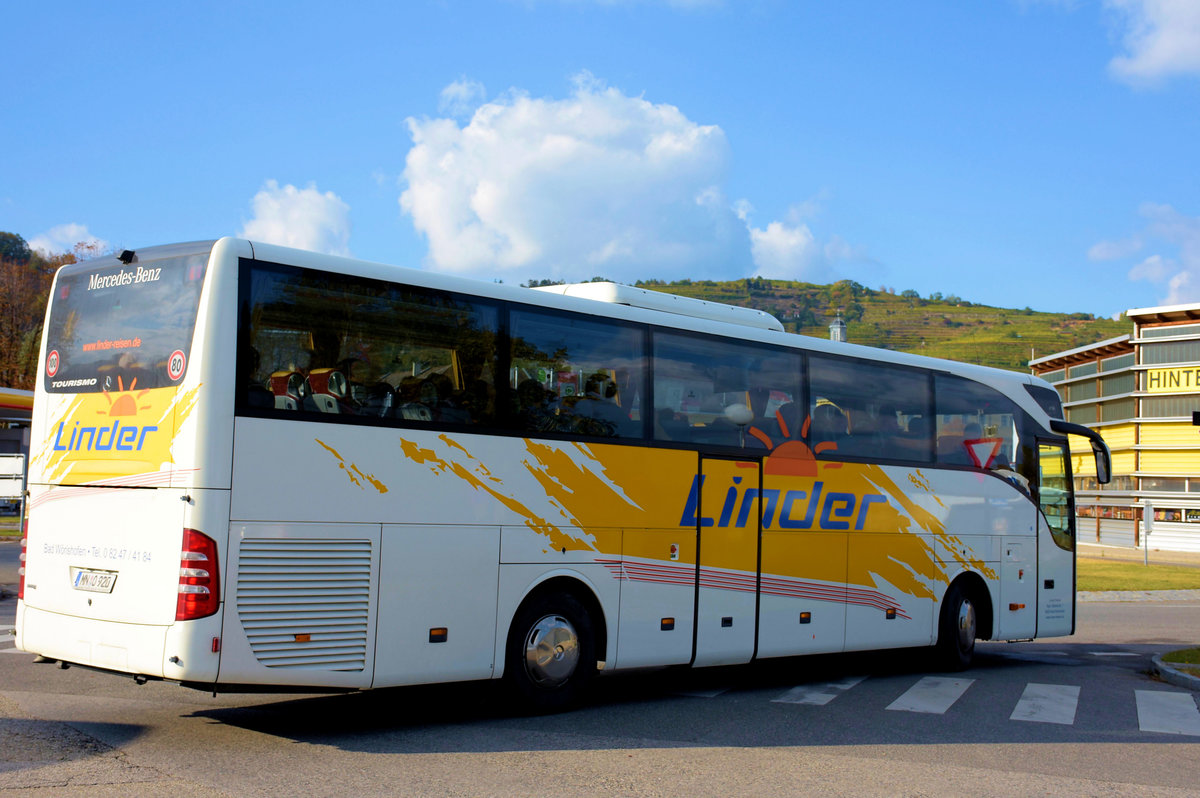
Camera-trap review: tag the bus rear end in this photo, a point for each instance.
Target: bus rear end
(122, 569)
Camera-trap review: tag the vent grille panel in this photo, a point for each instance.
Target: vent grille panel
(305, 604)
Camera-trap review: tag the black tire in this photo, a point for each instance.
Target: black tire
(550, 657)
(958, 627)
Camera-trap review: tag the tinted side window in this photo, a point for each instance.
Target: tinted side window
(864, 409)
(336, 345)
(710, 391)
(577, 375)
(980, 427)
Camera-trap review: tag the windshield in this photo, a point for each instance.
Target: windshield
(116, 326)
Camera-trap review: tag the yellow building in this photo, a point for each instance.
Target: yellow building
(1140, 392)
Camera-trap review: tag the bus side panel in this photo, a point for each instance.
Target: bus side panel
(437, 604)
(802, 606)
(956, 521)
(1055, 583)
(880, 614)
(1016, 616)
(297, 470)
(806, 615)
(300, 604)
(658, 597)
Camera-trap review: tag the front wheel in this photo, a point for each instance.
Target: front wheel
(958, 627)
(550, 658)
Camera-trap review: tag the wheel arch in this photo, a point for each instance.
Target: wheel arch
(583, 592)
(976, 589)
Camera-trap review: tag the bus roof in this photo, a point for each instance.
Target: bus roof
(630, 295)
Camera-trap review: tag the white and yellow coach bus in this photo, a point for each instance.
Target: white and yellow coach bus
(256, 467)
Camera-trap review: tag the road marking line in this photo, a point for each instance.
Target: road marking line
(932, 695)
(818, 694)
(1046, 657)
(1047, 703)
(1114, 654)
(1169, 713)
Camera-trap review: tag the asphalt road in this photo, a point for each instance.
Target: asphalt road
(1070, 717)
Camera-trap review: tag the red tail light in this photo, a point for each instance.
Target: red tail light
(199, 577)
(21, 567)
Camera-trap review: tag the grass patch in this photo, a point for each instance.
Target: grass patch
(10, 527)
(1186, 660)
(1099, 575)
(1186, 656)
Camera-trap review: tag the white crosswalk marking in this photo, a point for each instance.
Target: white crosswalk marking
(932, 695)
(818, 694)
(1047, 703)
(1048, 657)
(1159, 711)
(1169, 713)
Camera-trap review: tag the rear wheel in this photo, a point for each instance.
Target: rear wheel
(550, 658)
(957, 629)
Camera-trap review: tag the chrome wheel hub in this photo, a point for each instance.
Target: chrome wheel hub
(551, 651)
(966, 625)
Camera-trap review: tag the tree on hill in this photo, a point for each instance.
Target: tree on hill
(25, 278)
(14, 248)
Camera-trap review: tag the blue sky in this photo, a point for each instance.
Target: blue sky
(1036, 153)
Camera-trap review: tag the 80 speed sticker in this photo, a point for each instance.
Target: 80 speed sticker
(176, 364)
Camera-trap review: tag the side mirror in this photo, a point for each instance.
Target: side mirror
(1099, 447)
(1103, 463)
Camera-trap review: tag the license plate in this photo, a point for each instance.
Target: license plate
(92, 580)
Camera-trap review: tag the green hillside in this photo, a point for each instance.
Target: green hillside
(948, 327)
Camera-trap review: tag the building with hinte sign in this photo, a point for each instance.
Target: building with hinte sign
(1139, 391)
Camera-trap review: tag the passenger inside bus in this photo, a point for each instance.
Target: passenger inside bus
(829, 427)
(598, 411)
(534, 407)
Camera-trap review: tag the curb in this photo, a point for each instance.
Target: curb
(1138, 595)
(1174, 676)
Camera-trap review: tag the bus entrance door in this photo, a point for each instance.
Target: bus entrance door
(730, 524)
(1055, 583)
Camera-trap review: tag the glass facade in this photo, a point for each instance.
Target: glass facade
(1140, 393)
(1170, 352)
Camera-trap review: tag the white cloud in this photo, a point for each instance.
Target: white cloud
(782, 251)
(1161, 38)
(1155, 269)
(598, 183)
(1179, 271)
(461, 97)
(789, 250)
(1114, 250)
(302, 218)
(67, 238)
